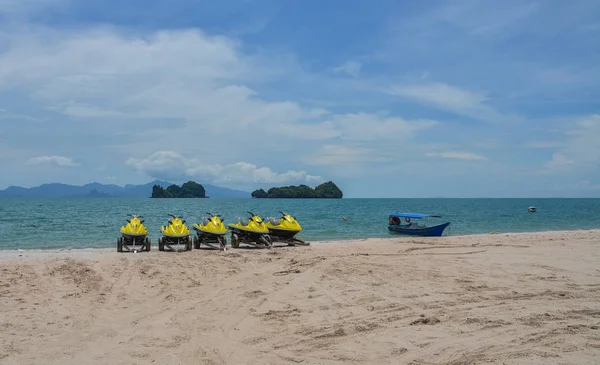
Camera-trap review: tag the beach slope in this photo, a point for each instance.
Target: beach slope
(485, 299)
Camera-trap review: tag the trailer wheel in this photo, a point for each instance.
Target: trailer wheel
(196, 243)
(120, 244)
(265, 239)
(291, 241)
(222, 241)
(161, 244)
(148, 244)
(235, 243)
(188, 243)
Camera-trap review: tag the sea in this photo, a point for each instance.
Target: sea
(27, 224)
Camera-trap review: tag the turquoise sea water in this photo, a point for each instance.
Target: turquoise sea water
(87, 223)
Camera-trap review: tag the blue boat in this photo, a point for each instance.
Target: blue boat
(409, 227)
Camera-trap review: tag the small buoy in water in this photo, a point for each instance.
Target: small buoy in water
(344, 218)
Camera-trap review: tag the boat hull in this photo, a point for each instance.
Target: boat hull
(241, 231)
(176, 236)
(205, 233)
(283, 233)
(133, 235)
(433, 231)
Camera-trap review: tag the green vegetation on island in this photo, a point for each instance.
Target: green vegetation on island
(326, 190)
(189, 189)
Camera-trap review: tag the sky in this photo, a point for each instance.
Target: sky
(385, 98)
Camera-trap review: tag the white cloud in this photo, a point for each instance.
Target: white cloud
(364, 139)
(457, 155)
(168, 86)
(182, 74)
(52, 161)
(371, 127)
(6, 115)
(559, 161)
(489, 19)
(441, 94)
(474, 18)
(581, 147)
(585, 185)
(174, 88)
(91, 64)
(355, 127)
(336, 154)
(453, 99)
(172, 165)
(563, 76)
(352, 68)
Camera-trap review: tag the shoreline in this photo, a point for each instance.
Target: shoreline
(399, 238)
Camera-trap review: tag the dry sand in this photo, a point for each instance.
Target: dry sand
(497, 299)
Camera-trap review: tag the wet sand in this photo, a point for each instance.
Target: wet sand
(486, 299)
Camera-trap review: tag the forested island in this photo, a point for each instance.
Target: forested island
(326, 190)
(190, 189)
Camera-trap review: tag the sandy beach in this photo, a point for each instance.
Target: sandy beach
(484, 299)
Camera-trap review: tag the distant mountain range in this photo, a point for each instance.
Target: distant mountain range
(97, 190)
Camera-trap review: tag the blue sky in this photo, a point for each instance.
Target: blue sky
(385, 98)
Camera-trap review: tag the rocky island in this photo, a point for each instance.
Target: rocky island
(326, 190)
(190, 189)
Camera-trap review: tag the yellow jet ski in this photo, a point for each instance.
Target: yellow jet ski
(210, 230)
(134, 236)
(252, 231)
(284, 228)
(175, 233)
